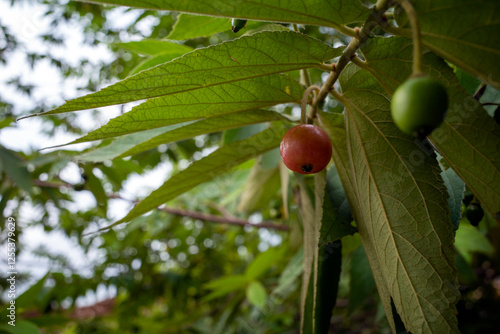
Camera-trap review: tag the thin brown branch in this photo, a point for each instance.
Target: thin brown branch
(376, 18)
(226, 219)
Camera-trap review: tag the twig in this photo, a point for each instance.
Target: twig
(226, 219)
(375, 19)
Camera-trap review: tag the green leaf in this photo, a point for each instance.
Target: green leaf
(203, 103)
(337, 217)
(123, 144)
(27, 299)
(456, 190)
(153, 61)
(21, 327)
(361, 283)
(290, 275)
(470, 240)
(15, 169)
(468, 138)
(401, 210)
(331, 13)
(260, 187)
(256, 294)
(153, 47)
(261, 54)
(95, 185)
(217, 163)
(333, 124)
(263, 262)
(209, 125)
(225, 285)
(472, 44)
(469, 82)
(194, 26)
(322, 264)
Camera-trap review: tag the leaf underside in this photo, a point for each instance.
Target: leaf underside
(400, 209)
(469, 139)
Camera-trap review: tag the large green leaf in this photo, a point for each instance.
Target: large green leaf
(194, 26)
(154, 47)
(117, 147)
(401, 210)
(332, 13)
(203, 103)
(334, 125)
(210, 125)
(469, 139)
(219, 162)
(473, 44)
(322, 264)
(257, 55)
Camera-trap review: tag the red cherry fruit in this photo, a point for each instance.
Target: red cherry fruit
(306, 149)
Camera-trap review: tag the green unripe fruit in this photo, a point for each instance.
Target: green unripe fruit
(419, 106)
(474, 213)
(237, 25)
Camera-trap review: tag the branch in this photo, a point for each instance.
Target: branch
(226, 219)
(376, 19)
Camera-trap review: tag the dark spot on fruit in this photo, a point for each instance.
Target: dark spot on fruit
(307, 168)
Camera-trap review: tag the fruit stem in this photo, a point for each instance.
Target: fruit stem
(375, 19)
(417, 42)
(303, 105)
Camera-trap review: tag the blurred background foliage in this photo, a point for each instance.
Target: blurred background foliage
(176, 271)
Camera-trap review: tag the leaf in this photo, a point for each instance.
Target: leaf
(261, 186)
(256, 294)
(361, 283)
(401, 210)
(333, 124)
(225, 285)
(472, 44)
(331, 13)
(209, 125)
(153, 47)
(123, 144)
(468, 139)
(204, 103)
(470, 240)
(153, 61)
(15, 169)
(217, 163)
(322, 264)
(261, 54)
(194, 26)
(456, 190)
(290, 275)
(337, 217)
(22, 327)
(27, 299)
(263, 262)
